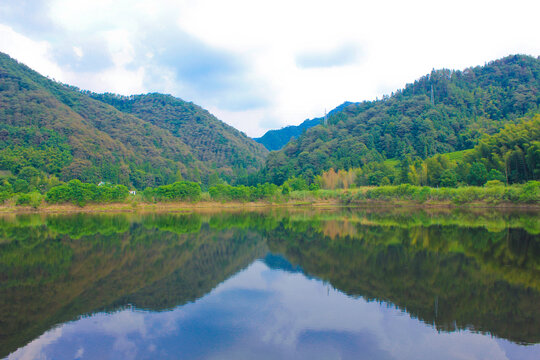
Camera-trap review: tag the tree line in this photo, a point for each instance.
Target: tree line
(511, 156)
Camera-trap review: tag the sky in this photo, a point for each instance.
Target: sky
(261, 65)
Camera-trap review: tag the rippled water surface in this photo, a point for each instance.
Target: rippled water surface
(326, 284)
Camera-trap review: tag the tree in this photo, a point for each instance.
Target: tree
(449, 178)
(495, 174)
(30, 174)
(478, 174)
(21, 186)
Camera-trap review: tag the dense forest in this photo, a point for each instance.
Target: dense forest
(51, 132)
(509, 156)
(444, 111)
(216, 144)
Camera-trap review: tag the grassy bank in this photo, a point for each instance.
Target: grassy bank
(76, 196)
(516, 196)
(169, 206)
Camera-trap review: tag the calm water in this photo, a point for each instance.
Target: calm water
(280, 285)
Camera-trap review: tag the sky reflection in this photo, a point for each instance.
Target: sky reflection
(266, 313)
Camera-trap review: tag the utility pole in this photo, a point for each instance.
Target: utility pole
(432, 99)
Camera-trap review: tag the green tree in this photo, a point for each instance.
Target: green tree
(495, 174)
(21, 186)
(478, 174)
(449, 178)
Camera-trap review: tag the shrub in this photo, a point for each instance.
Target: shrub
(81, 193)
(180, 190)
(530, 192)
(32, 199)
(493, 183)
(23, 199)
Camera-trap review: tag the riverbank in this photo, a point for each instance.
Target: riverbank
(160, 206)
(75, 196)
(213, 206)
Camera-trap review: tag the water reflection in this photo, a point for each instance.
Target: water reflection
(163, 285)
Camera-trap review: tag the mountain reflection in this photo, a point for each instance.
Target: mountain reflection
(454, 270)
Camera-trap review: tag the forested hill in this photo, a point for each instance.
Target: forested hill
(49, 130)
(277, 139)
(209, 139)
(443, 111)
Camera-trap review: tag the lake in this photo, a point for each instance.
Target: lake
(276, 284)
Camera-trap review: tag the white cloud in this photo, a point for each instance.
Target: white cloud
(258, 45)
(34, 54)
(35, 349)
(78, 51)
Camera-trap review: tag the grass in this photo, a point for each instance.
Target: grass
(458, 155)
(528, 193)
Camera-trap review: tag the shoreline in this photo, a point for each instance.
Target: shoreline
(211, 206)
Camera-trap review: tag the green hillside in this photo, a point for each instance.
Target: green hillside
(53, 131)
(213, 142)
(444, 111)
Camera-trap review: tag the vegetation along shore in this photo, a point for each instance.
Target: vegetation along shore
(185, 195)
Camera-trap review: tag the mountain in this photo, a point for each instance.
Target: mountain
(209, 139)
(441, 112)
(277, 139)
(61, 131)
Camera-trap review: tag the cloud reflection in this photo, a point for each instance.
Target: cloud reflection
(265, 313)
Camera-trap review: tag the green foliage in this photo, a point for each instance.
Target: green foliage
(180, 190)
(492, 159)
(32, 147)
(6, 190)
(530, 192)
(21, 186)
(217, 147)
(31, 199)
(494, 192)
(449, 178)
(225, 192)
(296, 183)
(514, 151)
(81, 193)
(477, 174)
(493, 183)
(495, 175)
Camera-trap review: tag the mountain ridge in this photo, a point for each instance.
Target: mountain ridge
(278, 138)
(94, 141)
(444, 111)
